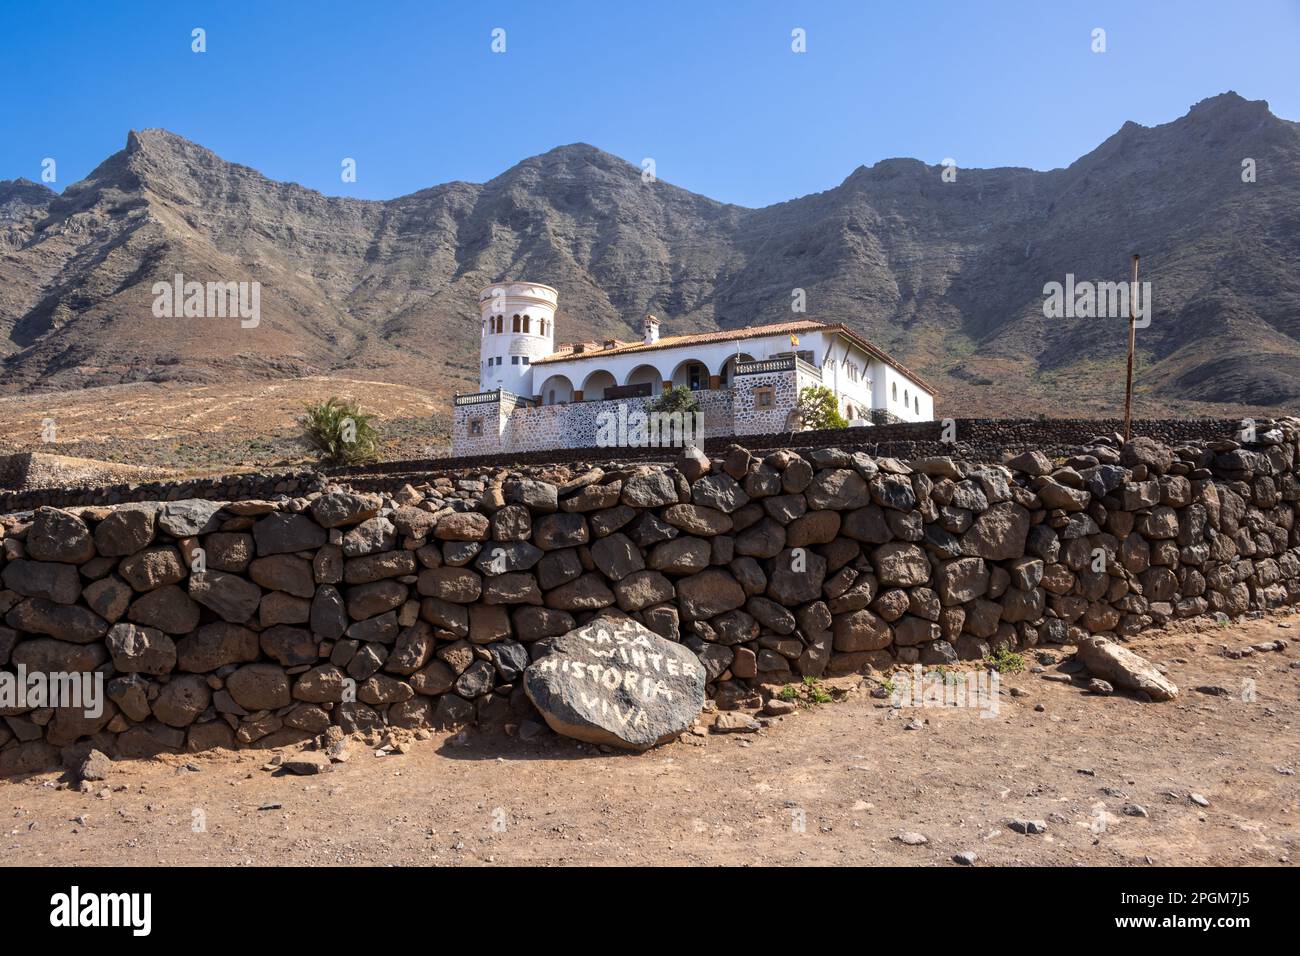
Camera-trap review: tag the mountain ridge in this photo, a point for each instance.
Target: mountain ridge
(946, 275)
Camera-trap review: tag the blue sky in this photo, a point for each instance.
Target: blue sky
(710, 90)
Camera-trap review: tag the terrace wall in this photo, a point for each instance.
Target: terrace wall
(263, 622)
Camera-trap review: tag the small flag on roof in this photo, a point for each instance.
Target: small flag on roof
(794, 340)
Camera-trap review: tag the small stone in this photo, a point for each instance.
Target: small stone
(734, 722)
(912, 838)
(93, 766)
(965, 858)
(1200, 800)
(306, 763)
(1029, 826)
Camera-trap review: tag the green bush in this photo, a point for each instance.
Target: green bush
(819, 409)
(1005, 661)
(340, 432)
(679, 398)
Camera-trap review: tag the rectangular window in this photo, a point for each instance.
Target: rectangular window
(476, 427)
(514, 360)
(765, 397)
(525, 359)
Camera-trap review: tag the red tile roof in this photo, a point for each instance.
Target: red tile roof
(595, 351)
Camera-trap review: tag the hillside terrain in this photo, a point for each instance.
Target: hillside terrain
(948, 276)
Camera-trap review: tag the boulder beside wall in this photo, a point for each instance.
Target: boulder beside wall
(616, 682)
(1123, 668)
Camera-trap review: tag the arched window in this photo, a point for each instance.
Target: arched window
(527, 323)
(906, 401)
(501, 324)
(918, 404)
(516, 324)
(895, 391)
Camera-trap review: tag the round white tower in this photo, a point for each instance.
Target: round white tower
(518, 326)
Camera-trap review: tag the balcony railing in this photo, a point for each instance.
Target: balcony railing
(481, 398)
(784, 364)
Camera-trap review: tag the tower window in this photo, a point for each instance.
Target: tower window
(515, 325)
(527, 323)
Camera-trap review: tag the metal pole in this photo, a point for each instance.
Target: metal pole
(1132, 341)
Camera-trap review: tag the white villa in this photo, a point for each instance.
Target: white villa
(534, 395)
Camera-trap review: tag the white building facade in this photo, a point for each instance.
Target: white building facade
(535, 396)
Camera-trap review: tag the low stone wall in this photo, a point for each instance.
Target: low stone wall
(972, 439)
(261, 622)
(31, 470)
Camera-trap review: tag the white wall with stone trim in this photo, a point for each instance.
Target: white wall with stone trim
(515, 425)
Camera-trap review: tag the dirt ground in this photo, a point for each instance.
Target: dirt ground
(850, 771)
(213, 429)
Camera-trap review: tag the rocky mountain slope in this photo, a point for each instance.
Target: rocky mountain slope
(947, 275)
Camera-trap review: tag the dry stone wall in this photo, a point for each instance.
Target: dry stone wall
(262, 622)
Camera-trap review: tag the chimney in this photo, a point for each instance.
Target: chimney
(651, 330)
